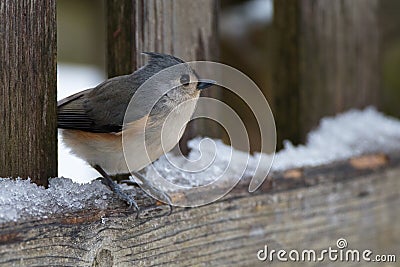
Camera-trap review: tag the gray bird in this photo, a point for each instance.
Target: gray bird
(93, 121)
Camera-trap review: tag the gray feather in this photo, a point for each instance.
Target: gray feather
(102, 109)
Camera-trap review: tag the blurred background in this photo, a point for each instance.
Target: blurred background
(250, 39)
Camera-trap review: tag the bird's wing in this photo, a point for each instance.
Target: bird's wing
(71, 113)
(100, 109)
(70, 98)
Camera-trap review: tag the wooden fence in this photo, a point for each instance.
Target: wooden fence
(315, 74)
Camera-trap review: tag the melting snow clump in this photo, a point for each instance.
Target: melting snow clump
(208, 160)
(21, 198)
(346, 135)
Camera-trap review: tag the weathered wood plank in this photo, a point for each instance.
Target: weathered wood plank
(326, 60)
(303, 209)
(28, 135)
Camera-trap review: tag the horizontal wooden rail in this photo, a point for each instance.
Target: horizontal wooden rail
(309, 208)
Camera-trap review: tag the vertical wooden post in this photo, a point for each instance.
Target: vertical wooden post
(186, 29)
(285, 72)
(121, 58)
(28, 135)
(326, 61)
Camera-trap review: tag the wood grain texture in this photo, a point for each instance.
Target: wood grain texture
(309, 210)
(327, 61)
(28, 135)
(185, 29)
(285, 73)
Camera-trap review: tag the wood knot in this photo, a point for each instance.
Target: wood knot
(373, 161)
(104, 258)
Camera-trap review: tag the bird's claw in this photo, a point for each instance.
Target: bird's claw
(158, 194)
(130, 201)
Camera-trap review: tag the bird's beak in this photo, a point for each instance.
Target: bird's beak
(203, 84)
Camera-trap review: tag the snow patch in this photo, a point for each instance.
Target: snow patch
(237, 20)
(346, 135)
(21, 198)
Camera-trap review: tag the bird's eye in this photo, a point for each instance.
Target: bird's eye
(185, 80)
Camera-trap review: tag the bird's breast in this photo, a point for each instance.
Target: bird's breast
(140, 143)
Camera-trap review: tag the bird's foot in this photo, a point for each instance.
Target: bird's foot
(121, 194)
(152, 190)
(106, 180)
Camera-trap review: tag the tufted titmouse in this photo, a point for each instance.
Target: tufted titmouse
(92, 121)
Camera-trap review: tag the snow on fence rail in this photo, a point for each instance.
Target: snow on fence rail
(307, 208)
